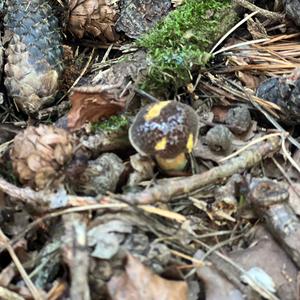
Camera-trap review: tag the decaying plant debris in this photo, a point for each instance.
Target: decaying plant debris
(83, 215)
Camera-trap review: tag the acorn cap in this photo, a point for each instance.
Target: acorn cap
(165, 129)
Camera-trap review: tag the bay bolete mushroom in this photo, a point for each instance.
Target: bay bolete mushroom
(167, 130)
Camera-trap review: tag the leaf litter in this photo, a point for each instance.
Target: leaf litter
(83, 216)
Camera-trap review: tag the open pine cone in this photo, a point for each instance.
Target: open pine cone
(39, 155)
(93, 17)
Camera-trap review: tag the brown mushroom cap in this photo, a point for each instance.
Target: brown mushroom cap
(165, 129)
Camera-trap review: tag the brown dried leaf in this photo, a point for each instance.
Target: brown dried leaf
(217, 286)
(138, 282)
(94, 17)
(91, 106)
(249, 80)
(220, 113)
(266, 254)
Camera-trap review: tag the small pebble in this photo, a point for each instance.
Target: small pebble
(238, 119)
(219, 138)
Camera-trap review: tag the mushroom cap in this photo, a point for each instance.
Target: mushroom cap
(166, 129)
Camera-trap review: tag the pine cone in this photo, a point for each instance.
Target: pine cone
(39, 154)
(94, 17)
(34, 53)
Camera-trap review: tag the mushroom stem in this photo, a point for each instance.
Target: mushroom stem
(177, 163)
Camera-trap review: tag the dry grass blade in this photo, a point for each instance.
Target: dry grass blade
(256, 141)
(198, 263)
(7, 294)
(221, 40)
(5, 242)
(221, 87)
(79, 77)
(277, 55)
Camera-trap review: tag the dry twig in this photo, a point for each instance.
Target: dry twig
(164, 191)
(5, 242)
(263, 12)
(170, 188)
(77, 256)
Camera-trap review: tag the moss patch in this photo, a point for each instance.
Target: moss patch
(179, 44)
(113, 124)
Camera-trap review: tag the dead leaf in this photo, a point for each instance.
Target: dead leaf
(107, 238)
(90, 105)
(249, 80)
(256, 29)
(217, 286)
(220, 113)
(139, 282)
(266, 254)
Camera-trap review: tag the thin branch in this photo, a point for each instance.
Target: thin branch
(262, 12)
(170, 188)
(5, 242)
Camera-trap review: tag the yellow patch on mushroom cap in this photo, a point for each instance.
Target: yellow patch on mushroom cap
(190, 143)
(155, 109)
(161, 145)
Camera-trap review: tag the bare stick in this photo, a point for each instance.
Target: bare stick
(263, 12)
(164, 191)
(7, 294)
(77, 255)
(170, 188)
(34, 291)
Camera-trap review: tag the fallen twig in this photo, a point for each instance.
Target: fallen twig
(263, 12)
(77, 256)
(170, 188)
(163, 192)
(4, 241)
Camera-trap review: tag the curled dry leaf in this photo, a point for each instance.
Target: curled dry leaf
(97, 94)
(217, 286)
(138, 282)
(94, 17)
(91, 105)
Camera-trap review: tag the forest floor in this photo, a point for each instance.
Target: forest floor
(165, 166)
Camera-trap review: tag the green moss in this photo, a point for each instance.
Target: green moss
(113, 124)
(179, 44)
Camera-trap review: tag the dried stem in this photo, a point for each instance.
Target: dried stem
(163, 192)
(34, 291)
(263, 12)
(77, 255)
(170, 188)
